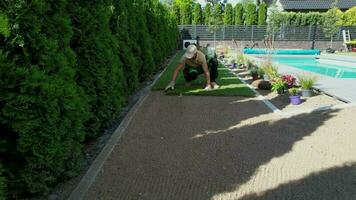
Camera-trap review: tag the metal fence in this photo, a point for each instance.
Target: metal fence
(256, 33)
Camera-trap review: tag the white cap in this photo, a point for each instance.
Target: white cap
(190, 52)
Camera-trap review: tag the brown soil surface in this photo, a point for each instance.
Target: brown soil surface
(230, 148)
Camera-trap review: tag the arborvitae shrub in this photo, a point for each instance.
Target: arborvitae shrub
(66, 68)
(238, 14)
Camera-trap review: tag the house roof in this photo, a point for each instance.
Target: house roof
(315, 4)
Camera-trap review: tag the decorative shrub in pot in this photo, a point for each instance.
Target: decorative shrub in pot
(254, 73)
(294, 96)
(278, 85)
(289, 80)
(307, 81)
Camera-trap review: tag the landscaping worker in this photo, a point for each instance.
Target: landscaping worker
(194, 64)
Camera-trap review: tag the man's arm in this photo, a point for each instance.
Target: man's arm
(176, 71)
(175, 74)
(206, 73)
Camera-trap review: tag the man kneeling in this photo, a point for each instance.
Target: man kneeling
(194, 64)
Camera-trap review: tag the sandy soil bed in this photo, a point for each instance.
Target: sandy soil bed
(229, 148)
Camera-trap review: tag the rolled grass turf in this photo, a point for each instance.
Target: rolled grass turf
(229, 84)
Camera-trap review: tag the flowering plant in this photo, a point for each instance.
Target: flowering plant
(289, 80)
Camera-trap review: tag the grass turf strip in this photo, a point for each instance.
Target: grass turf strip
(229, 84)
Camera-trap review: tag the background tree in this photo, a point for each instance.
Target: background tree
(207, 13)
(215, 21)
(250, 14)
(197, 14)
(176, 12)
(228, 14)
(185, 10)
(273, 21)
(349, 18)
(186, 14)
(332, 23)
(262, 13)
(238, 14)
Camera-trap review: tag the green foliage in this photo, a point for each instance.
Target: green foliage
(4, 25)
(238, 14)
(261, 72)
(66, 69)
(228, 15)
(176, 12)
(274, 20)
(43, 109)
(197, 14)
(185, 10)
(307, 81)
(298, 19)
(250, 14)
(349, 18)
(332, 23)
(2, 184)
(293, 91)
(216, 15)
(215, 20)
(270, 69)
(278, 85)
(207, 13)
(262, 13)
(99, 70)
(186, 14)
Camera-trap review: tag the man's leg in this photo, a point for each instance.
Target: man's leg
(190, 74)
(213, 69)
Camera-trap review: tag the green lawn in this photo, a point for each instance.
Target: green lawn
(346, 53)
(229, 84)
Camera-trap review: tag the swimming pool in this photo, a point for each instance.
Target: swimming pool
(282, 51)
(311, 64)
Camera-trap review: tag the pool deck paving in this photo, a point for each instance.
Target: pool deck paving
(341, 88)
(190, 147)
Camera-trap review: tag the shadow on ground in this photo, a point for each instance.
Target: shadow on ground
(197, 148)
(331, 184)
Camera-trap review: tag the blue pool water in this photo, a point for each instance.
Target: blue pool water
(282, 51)
(312, 65)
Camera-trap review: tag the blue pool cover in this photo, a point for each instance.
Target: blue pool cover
(283, 51)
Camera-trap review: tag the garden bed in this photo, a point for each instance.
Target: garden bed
(282, 102)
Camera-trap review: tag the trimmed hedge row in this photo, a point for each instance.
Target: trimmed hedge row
(66, 69)
(347, 18)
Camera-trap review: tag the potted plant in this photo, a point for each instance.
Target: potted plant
(294, 96)
(278, 85)
(271, 70)
(261, 72)
(289, 80)
(254, 73)
(307, 82)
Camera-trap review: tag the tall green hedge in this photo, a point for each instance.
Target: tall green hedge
(207, 13)
(239, 14)
(349, 17)
(300, 19)
(66, 69)
(250, 14)
(197, 14)
(262, 13)
(229, 14)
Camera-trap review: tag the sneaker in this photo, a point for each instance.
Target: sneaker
(216, 86)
